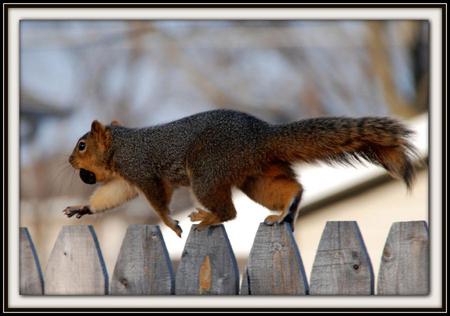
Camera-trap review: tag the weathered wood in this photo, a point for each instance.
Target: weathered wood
(404, 267)
(275, 266)
(31, 278)
(342, 265)
(76, 265)
(208, 265)
(143, 266)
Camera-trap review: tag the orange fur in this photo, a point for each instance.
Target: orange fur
(92, 159)
(274, 189)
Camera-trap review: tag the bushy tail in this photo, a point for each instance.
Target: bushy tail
(379, 140)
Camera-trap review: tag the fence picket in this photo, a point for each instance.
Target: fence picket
(208, 265)
(31, 278)
(274, 266)
(342, 265)
(143, 266)
(76, 265)
(404, 267)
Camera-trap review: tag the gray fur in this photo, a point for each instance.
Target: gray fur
(216, 150)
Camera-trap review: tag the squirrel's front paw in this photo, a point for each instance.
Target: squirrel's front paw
(80, 211)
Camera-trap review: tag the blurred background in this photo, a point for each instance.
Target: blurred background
(150, 72)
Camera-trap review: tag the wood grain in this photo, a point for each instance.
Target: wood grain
(342, 265)
(76, 265)
(208, 265)
(31, 278)
(404, 267)
(274, 266)
(143, 266)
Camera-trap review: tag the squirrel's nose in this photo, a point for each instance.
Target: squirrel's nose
(71, 158)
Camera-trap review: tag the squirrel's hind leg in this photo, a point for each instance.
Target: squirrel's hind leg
(278, 190)
(288, 215)
(293, 210)
(217, 201)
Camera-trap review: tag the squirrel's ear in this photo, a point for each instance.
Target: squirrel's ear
(97, 128)
(101, 134)
(116, 123)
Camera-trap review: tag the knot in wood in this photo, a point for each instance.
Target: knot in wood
(356, 266)
(387, 255)
(124, 282)
(276, 246)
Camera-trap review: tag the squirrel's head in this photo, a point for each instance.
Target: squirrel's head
(90, 154)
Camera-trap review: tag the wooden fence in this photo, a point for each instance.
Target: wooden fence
(208, 266)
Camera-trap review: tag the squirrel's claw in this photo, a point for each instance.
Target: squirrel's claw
(177, 229)
(199, 227)
(202, 226)
(79, 211)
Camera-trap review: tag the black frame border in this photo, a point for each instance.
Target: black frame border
(7, 6)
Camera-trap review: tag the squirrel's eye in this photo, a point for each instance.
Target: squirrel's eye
(81, 146)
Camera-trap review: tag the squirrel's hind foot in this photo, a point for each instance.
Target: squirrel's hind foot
(273, 219)
(207, 219)
(279, 219)
(199, 216)
(200, 227)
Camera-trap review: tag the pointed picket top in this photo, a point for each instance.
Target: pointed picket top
(143, 266)
(342, 265)
(76, 265)
(274, 266)
(404, 267)
(208, 265)
(31, 278)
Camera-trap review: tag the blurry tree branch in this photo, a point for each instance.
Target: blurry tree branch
(383, 69)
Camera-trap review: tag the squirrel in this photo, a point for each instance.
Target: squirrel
(216, 150)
